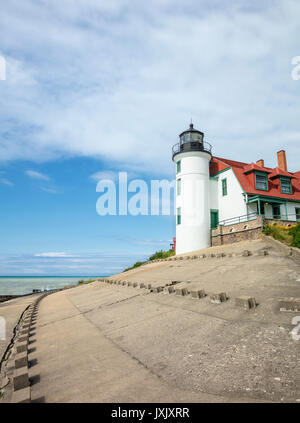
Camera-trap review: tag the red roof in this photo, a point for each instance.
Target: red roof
(280, 172)
(252, 167)
(247, 180)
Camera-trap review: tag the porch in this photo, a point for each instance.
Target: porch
(272, 208)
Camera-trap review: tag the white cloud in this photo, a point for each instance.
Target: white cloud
(119, 80)
(54, 255)
(50, 190)
(37, 175)
(101, 175)
(6, 182)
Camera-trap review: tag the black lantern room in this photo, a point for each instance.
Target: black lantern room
(191, 140)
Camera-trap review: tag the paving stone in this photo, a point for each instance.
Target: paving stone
(245, 302)
(170, 289)
(218, 298)
(182, 291)
(21, 360)
(157, 289)
(290, 304)
(263, 253)
(199, 293)
(21, 346)
(20, 378)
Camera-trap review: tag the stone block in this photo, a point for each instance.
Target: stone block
(170, 290)
(134, 284)
(199, 293)
(290, 304)
(182, 291)
(21, 396)
(246, 253)
(24, 332)
(245, 302)
(263, 253)
(142, 285)
(23, 338)
(20, 378)
(124, 283)
(149, 286)
(25, 326)
(21, 346)
(129, 283)
(157, 289)
(218, 298)
(21, 360)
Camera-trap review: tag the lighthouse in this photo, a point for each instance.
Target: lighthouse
(192, 157)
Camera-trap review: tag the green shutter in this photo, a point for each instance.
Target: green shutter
(224, 187)
(178, 186)
(178, 168)
(179, 216)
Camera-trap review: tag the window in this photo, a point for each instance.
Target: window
(224, 187)
(285, 184)
(261, 181)
(179, 216)
(178, 186)
(178, 168)
(276, 212)
(297, 211)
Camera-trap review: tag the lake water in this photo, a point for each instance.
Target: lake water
(13, 285)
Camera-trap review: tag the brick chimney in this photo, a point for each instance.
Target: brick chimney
(281, 160)
(260, 163)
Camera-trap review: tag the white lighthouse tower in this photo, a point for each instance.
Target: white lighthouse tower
(192, 156)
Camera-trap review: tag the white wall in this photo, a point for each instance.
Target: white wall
(194, 231)
(213, 194)
(232, 204)
(291, 210)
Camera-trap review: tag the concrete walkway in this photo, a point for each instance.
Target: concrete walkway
(106, 342)
(77, 363)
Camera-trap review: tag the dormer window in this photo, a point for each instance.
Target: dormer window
(261, 181)
(285, 184)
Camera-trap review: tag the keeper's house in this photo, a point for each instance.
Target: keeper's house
(220, 200)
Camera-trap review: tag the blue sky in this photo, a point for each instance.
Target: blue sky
(106, 86)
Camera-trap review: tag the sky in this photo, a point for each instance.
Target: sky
(97, 87)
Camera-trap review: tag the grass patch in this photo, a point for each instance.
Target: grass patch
(158, 255)
(82, 282)
(287, 235)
